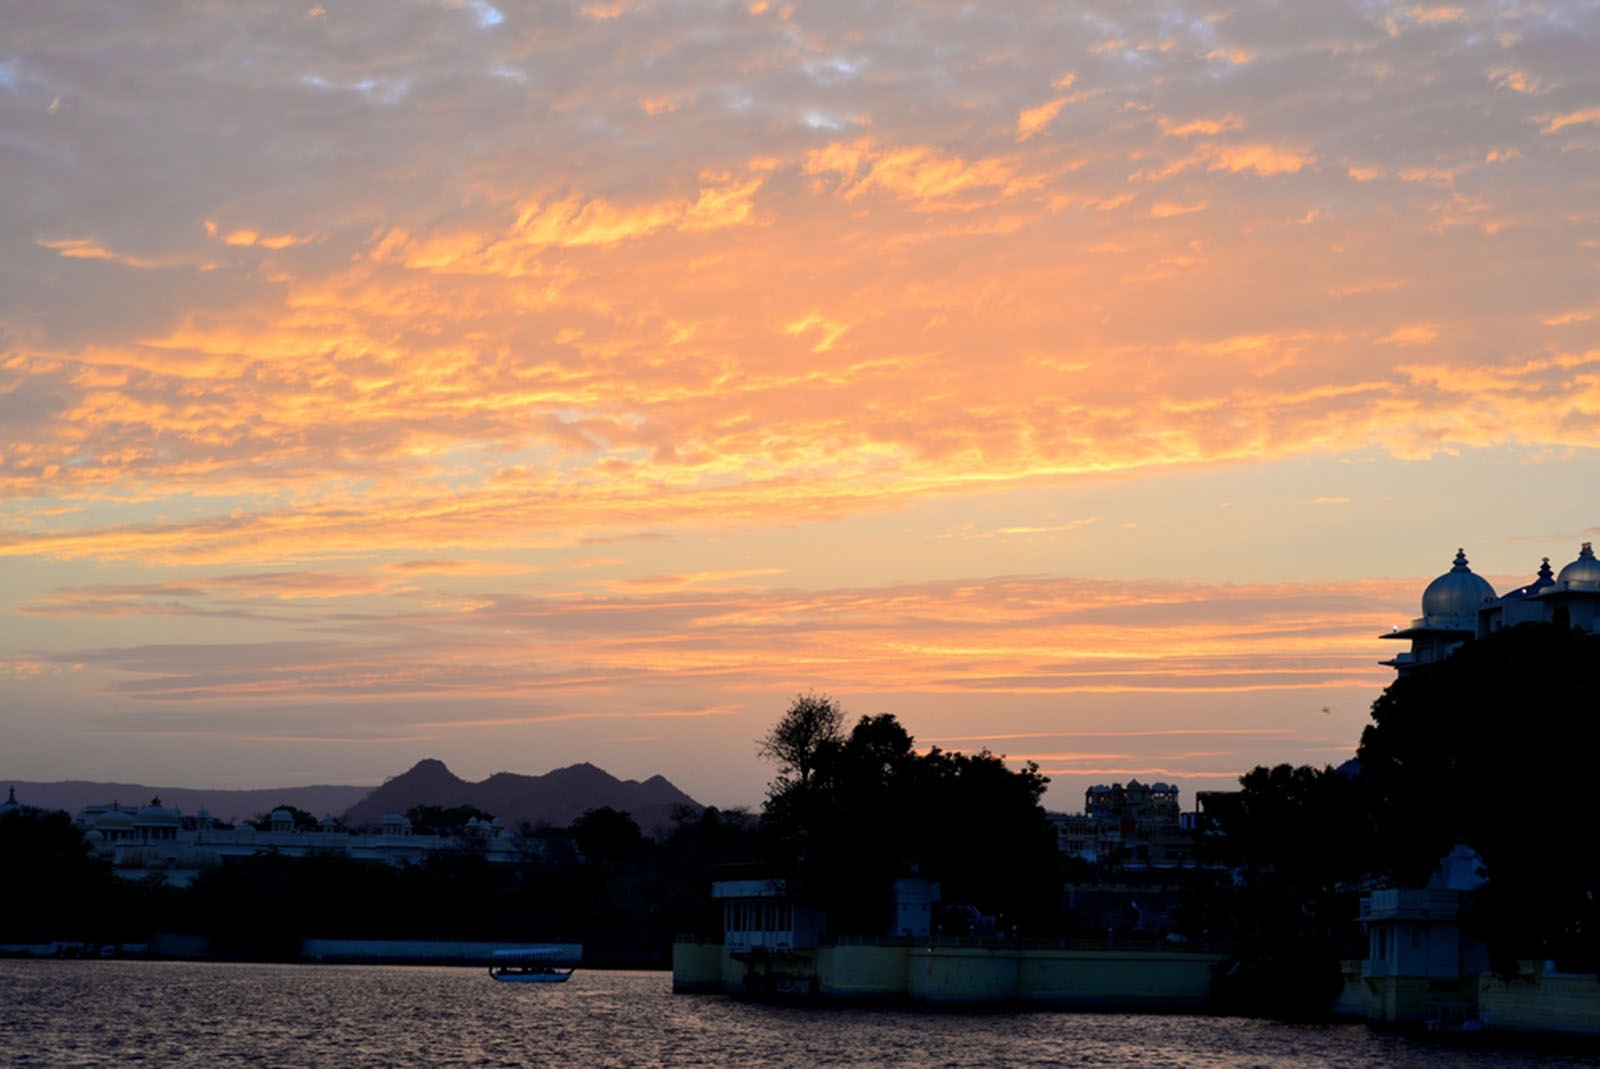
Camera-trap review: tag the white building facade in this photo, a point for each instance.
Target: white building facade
(1461, 605)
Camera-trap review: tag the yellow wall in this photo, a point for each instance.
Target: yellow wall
(962, 974)
(1354, 996)
(696, 967)
(1112, 978)
(1092, 978)
(1541, 1003)
(1166, 980)
(861, 971)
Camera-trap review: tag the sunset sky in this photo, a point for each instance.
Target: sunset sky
(526, 384)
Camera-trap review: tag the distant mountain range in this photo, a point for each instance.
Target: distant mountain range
(225, 805)
(555, 798)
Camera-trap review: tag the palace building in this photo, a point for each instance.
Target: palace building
(1461, 605)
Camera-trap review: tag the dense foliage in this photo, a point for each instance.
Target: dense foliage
(1297, 840)
(303, 821)
(444, 820)
(847, 814)
(1495, 747)
(54, 884)
(601, 883)
(1491, 747)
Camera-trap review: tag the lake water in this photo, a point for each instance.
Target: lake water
(77, 1013)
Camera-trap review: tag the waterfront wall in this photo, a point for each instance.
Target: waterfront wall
(1111, 979)
(1354, 996)
(1540, 1001)
(862, 972)
(955, 975)
(1535, 1000)
(696, 968)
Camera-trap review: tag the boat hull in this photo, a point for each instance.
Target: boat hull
(538, 976)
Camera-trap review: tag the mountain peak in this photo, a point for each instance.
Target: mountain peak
(557, 797)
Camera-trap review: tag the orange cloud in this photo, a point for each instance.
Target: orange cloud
(1231, 56)
(920, 172)
(1168, 209)
(1415, 334)
(572, 222)
(1264, 160)
(1553, 123)
(1210, 127)
(89, 249)
(1517, 81)
(1032, 120)
(1436, 14)
(986, 636)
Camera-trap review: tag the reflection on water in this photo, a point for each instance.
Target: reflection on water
(74, 1013)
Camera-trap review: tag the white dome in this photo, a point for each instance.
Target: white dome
(1457, 592)
(152, 815)
(1581, 574)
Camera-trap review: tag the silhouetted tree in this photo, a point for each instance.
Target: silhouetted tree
(1298, 838)
(803, 737)
(1492, 747)
(53, 887)
(303, 821)
(1495, 747)
(1310, 824)
(608, 835)
(871, 809)
(444, 820)
(699, 841)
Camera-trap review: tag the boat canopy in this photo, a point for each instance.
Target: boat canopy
(546, 953)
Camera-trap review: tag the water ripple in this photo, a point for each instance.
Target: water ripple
(95, 1013)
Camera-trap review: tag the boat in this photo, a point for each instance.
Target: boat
(534, 965)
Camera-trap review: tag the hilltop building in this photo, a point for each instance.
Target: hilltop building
(1461, 605)
(1135, 826)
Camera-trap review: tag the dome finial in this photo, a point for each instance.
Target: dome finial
(1583, 573)
(1457, 593)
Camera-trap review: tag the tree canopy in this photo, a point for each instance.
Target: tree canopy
(809, 731)
(608, 835)
(1495, 747)
(1492, 747)
(847, 814)
(444, 820)
(303, 821)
